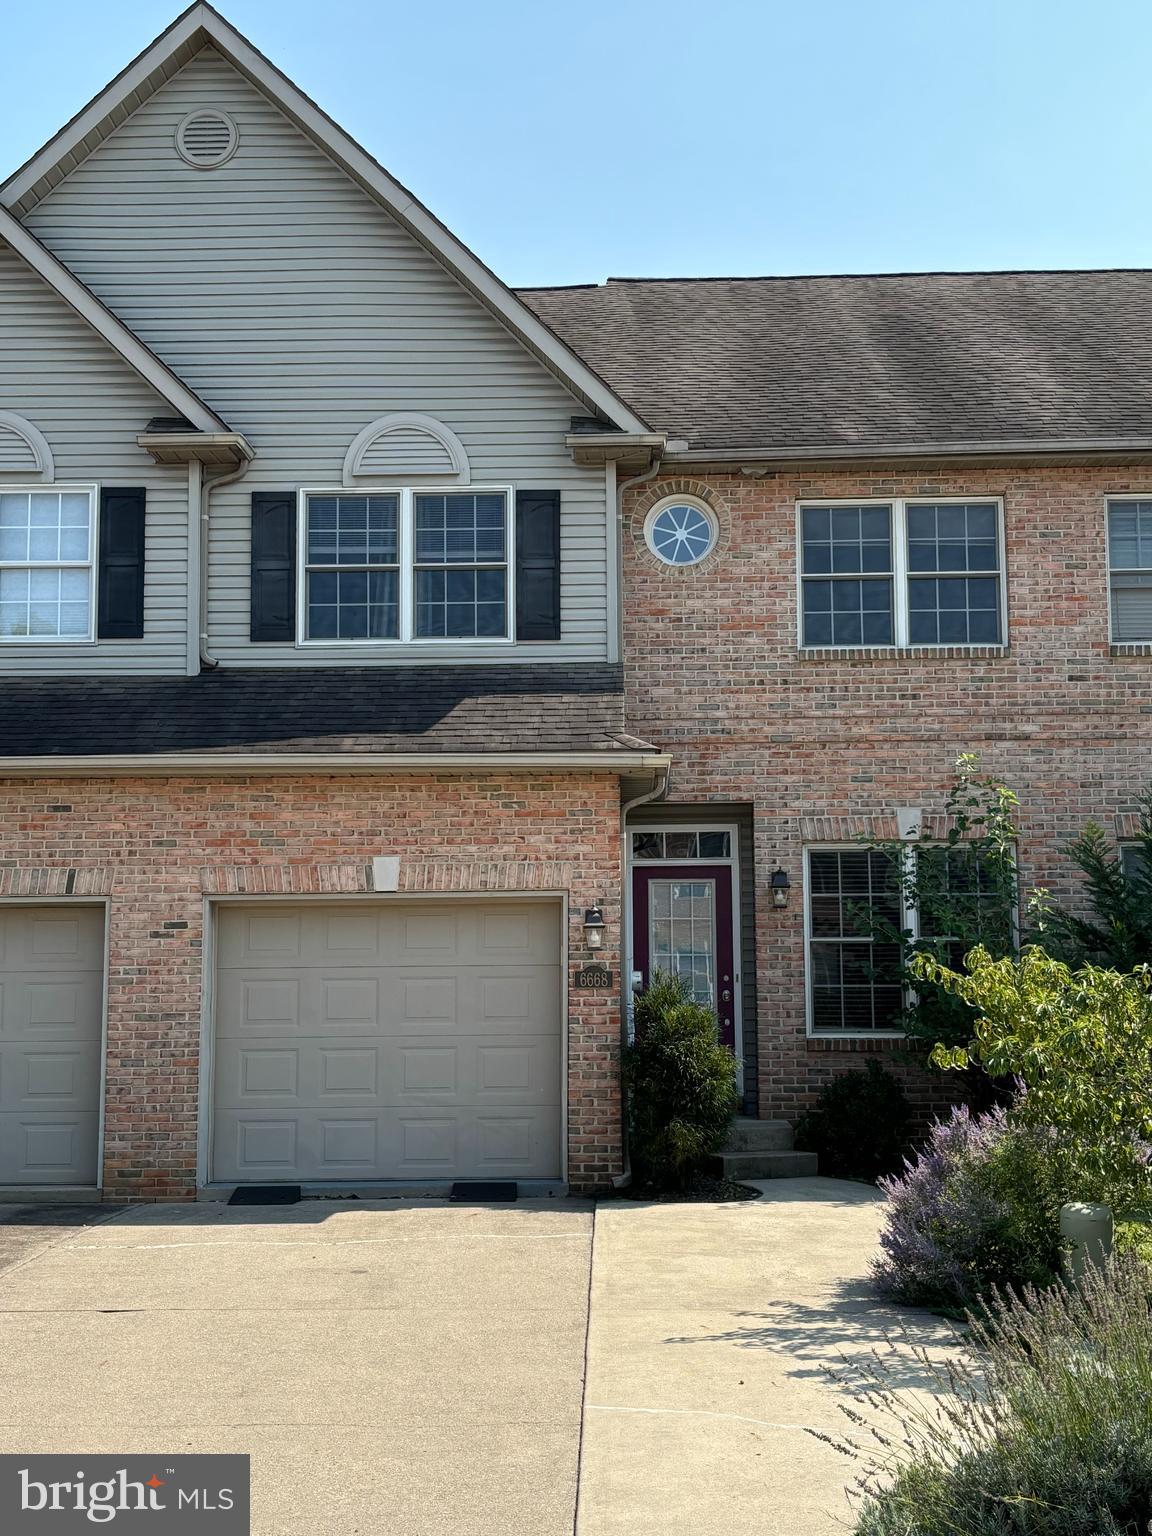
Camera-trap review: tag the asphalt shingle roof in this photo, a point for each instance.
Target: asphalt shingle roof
(349, 709)
(799, 362)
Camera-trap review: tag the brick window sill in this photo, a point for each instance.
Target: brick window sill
(822, 1045)
(1131, 648)
(904, 653)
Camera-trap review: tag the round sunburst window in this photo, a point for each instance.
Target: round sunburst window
(681, 531)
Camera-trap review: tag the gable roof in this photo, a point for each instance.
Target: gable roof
(135, 353)
(201, 25)
(840, 366)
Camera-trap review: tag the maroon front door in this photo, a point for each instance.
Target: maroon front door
(682, 923)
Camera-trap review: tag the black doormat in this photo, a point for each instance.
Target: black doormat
(478, 1192)
(266, 1194)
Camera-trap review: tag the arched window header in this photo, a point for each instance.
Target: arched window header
(24, 451)
(403, 446)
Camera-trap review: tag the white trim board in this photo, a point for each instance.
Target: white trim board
(200, 26)
(140, 358)
(135, 764)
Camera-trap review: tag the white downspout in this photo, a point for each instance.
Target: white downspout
(660, 788)
(193, 597)
(207, 661)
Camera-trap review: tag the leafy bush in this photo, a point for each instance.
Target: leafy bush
(1041, 1428)
(974, 1210)
(963, 885)
(860, 1125)
(1116, 930)
(1081, 1044)
(681, 1085)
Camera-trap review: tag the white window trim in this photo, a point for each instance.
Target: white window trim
(92, 491)
(1110, 497)
(697, 505)
(900, 572)
(908, 919)
(406, 565)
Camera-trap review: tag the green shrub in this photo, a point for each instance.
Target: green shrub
(1041, 1427)
(1081, 1044)
(681, 1085)
(860, 1125)
(1116, 928)
(975, 1209)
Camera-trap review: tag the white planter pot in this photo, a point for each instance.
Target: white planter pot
(1087, 1230)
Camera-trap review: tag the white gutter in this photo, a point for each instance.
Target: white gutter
(966, 449)
(172, 763)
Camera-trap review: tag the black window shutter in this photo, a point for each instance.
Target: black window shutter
(273, 614)
(537, 565)
(120, 569)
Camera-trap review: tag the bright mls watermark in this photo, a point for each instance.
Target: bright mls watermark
(187, 1495)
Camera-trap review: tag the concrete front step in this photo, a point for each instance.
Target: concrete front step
(766, 1165)
(746, 1135)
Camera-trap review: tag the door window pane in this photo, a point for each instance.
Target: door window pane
(682, 934)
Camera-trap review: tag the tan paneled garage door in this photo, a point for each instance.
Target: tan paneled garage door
(387, 1041)
(51, 997)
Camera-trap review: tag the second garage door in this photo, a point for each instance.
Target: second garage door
(387, 1041)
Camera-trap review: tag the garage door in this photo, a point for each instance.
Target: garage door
(387, 1041)
(51, 994)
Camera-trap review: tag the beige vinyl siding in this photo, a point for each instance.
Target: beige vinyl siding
(63, 378)
(17, 456)
(286, 297)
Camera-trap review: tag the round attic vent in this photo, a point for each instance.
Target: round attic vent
(207, 138)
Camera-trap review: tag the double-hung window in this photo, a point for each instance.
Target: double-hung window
(47, 563)
(405, 565)
(861, 915)
(1130, 569)
(854, 920)
(461, 566)
(352, 567)
(901, 573)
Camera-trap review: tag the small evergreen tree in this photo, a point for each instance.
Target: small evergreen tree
(681, 1084)
(1116, 931)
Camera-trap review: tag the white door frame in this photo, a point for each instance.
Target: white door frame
(211, 906)
(733, 861)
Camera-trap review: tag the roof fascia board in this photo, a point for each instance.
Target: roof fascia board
(839, 453)
(467, 268)
(171, 763)
(139, 357)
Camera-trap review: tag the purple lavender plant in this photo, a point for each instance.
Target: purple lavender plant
(969, 1212)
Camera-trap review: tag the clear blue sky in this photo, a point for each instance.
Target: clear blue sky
(565, 143)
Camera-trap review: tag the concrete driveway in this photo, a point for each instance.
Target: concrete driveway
(390, 1368)
(404, 1369)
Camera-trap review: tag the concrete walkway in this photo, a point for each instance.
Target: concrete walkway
(418, 1369)
(710, 1325)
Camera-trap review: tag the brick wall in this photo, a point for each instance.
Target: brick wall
(158, 847)
(714, 676)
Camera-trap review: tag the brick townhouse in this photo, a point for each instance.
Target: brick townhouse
(395, 669)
